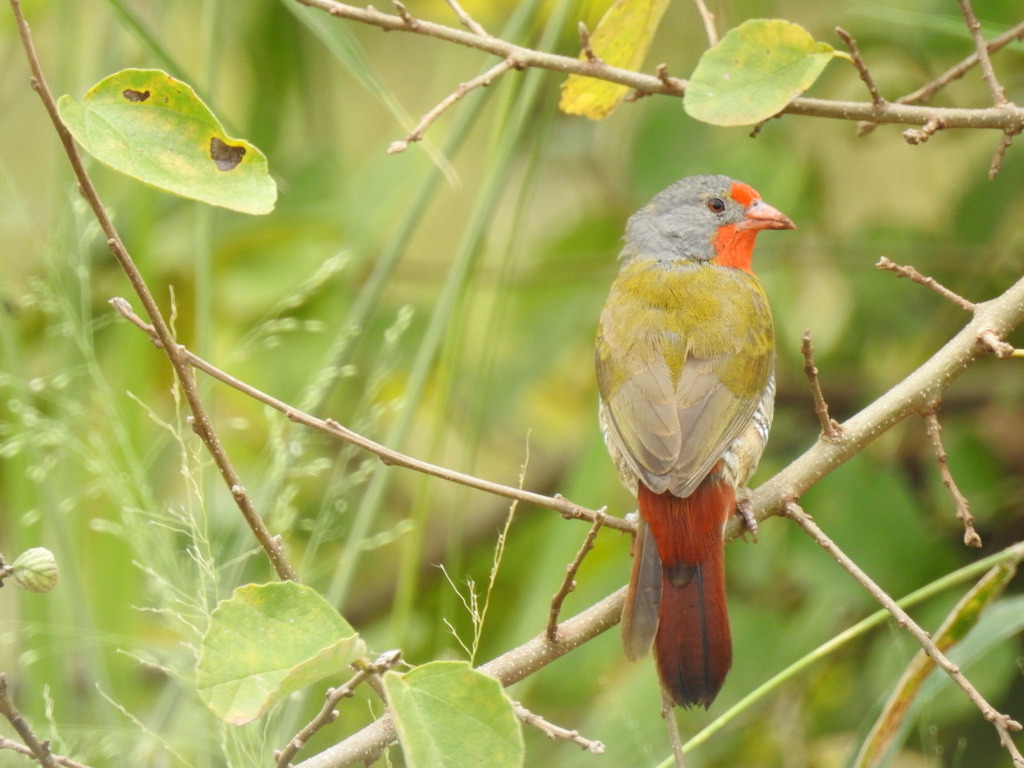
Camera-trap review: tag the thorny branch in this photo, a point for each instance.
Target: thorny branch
(1004, 724)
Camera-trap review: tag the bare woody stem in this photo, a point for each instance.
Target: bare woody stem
(388, 456)
(201, 422)
(39, 749)
(1003, 723)
(1003, 118)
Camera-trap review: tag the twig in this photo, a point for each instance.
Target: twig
(40, 749)
(928, 282)
(202, 425)
(569, 582)
(708, 18)
(21, 749)
(1003, 723)
(957, 71)
(428, 119)
(328, 714)
(830, 428)
(557, 503)
(987, 72)
(466, 20)
(997, 159)
(553, 731)
(862, 68)
(963, 511)
(584, 34)
(668, 712)
(1005, 118)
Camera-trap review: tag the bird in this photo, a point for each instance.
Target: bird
(685, 364)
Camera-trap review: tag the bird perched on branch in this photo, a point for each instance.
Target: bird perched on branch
(685, 370)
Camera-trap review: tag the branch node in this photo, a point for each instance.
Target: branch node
(925, 132)
(988, 74)
(404, 14)
(468, 21)
(990, 340)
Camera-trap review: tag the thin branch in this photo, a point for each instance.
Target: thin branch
(1004, 724)
(862, 68)
(553, 731)
(830, 428)
(428, 119)
(584, 33)
(963, 511)
(328, 714)
(708, 18)
(668, 712)
(21, 749)
(987, 72)
(201, 425)
(1005, 118)
(40, 749)
(392, 458)
(957, 71)
(997, 159)
(928, 282)
(466, 20)
(569, 582)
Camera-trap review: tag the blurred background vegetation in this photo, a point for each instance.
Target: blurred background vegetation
(443, 301)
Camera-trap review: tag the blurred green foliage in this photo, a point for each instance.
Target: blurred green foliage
(443, 301)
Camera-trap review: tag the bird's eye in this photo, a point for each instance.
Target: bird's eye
(716, 205)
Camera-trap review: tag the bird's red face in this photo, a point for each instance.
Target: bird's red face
(734, 242)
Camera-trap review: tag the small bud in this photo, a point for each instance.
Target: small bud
(35, 570)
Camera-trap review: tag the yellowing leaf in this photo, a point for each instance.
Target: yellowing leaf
(622, 39)
(754, 72)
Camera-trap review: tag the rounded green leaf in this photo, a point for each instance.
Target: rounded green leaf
(448, 715)
(754, 72)
(267, 641)
(150, 126)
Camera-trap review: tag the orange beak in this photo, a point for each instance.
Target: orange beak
(760, 215)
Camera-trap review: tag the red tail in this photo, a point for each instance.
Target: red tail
(693, 646)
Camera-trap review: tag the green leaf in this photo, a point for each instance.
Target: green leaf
(754, 72)
(148, 125)
(448, 715)
(267, 641)
(621, 39)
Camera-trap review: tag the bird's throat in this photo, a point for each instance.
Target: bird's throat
(734, 247)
